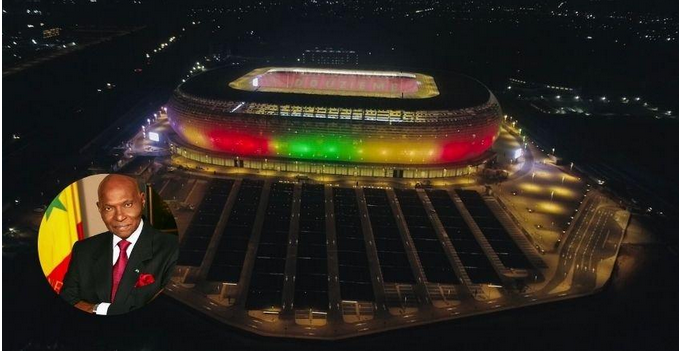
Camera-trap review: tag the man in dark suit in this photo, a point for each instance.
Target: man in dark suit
(122, 269)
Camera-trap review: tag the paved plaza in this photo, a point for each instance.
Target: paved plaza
(327, 257)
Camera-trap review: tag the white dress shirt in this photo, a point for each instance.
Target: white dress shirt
(102, 308)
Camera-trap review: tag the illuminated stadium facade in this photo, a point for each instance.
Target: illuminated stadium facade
(331, 121)
(332, 255)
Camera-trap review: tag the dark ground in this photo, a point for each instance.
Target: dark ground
(638, 311)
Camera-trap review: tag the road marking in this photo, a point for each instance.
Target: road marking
(606, 239)
(591, 236)
(595, 235)
(160, 192)
(600, 234)
(571, 240)
(581, 239)
(191, 191)
(587, 210)
(580, 233)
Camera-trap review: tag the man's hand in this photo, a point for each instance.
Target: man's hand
(85, 306)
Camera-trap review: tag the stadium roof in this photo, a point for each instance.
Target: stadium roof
(456, 91)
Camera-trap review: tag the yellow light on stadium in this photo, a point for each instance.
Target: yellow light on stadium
(529, 187)
(563, 191)
(551, 208)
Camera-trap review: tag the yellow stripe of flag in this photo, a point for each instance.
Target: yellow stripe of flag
(60, 228)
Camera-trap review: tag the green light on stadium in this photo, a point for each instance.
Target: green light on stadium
(314, 147)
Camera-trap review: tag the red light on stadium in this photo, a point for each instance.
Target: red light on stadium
(238, 143)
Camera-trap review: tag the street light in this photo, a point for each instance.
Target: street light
(551, 195)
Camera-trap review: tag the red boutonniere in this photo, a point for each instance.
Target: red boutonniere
(144, 279)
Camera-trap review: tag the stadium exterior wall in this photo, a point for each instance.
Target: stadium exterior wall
(274, 131)
(303, 167)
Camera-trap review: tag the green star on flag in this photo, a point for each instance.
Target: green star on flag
(56, 203)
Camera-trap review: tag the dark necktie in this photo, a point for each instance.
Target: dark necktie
(119, 266)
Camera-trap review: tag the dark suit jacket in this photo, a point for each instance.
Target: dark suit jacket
(89, 277)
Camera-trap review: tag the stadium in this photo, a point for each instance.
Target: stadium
(332, 257)
(335, 121)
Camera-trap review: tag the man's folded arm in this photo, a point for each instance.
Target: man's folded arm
(70, 290)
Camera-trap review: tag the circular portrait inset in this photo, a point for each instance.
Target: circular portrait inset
(106, 245)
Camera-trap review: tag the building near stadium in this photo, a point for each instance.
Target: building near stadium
(335, 121)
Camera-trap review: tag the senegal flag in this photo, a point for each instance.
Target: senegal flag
(60, 228)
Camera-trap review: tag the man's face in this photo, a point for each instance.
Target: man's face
(120, 204)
